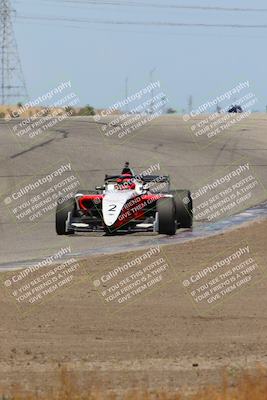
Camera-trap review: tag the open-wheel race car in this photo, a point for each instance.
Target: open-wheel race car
(126, 203)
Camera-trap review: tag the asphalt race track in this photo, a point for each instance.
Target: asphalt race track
(166, 143)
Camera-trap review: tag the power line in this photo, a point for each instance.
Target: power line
(155, 5)
(141, 32)
(12, 84)
(143, 23)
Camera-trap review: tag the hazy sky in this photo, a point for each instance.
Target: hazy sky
(204, 62)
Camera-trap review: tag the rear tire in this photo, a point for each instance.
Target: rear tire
(62, 212)
(166, 216)
(184, 206)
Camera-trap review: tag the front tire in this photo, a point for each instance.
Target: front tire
(62, 212)
(166, 216)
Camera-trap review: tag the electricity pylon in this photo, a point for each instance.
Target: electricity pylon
(12, 83)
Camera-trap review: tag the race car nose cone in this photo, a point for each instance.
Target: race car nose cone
(112, 205)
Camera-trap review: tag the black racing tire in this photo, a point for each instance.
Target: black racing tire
(184, 208)
(62, 212)
(166, 216)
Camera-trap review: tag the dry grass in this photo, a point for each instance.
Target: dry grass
(249, 386)
(7, 111)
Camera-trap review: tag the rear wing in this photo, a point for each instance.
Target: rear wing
(143, 178)
(112, 178)
(155, 178)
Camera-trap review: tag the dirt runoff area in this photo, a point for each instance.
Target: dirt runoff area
(165, 317)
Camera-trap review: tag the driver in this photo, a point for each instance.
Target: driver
(127, 170)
